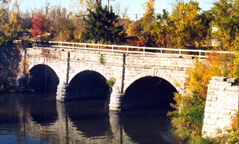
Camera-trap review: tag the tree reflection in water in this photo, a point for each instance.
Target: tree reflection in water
(31, 118)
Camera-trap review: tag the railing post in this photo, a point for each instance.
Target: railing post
(61, 47)
(85, 46)
(199, 54)
(98, 47)
(180, 52)
(161, 51)
(127, 50)
(112, 49)
(73, 46)
(144, 50)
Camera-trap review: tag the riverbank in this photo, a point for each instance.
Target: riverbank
(187, 118)
(9, 57)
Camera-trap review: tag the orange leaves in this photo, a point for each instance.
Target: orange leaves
(38, 24)
(201, 74)
(235, 121)
(188, 26)
(148, 15)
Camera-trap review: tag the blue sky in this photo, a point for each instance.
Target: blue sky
(134, 6)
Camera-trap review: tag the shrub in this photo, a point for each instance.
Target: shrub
(187, 118)
(110, 82)
(101, 59)
(187, 121)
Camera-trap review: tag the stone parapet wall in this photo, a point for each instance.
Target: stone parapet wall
(221, 104)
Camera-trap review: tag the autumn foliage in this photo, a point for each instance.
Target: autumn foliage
(38, 24)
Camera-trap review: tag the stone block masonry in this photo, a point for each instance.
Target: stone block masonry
(123, 67)
(221, 104)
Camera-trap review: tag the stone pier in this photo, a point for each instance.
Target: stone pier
(221, 104)
(22, 77)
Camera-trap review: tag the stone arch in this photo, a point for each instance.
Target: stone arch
(87, 84)
(168, 76)
(149, 90)
(43, 79)
(54, 68)
(73, 73)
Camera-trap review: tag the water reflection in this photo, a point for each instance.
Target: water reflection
(146, 126)
(89, 116)
(41, 107)
(31, 118)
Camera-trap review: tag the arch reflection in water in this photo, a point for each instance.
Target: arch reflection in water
(146, 126)
(89, 116)
(90, 112)
(43, 79)
(85, 121)
(148, 92)
(8, 111)
(42, 108)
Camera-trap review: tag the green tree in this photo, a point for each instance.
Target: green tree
(162, 30)
(100, 26)
(226, 23)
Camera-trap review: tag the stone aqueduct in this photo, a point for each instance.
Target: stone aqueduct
(124, 68)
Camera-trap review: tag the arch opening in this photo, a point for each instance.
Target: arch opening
(90, 112)
(43, 79)
(88, 85)
(148, 92)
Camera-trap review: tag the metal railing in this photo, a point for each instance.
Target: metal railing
(133, 49)
(126, 49)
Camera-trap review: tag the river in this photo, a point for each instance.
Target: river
(39, 118)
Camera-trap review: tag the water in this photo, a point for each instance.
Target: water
(32, 118)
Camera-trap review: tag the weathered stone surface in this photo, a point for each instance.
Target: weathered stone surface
(135, 66)
(219, 78)
(231, 80)
(221, 103)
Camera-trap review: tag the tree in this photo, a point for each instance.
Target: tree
(61, 24)
(10, 22)
(187, 23)
(3, 20)
(89, 4)
(226, 14)
(162, 30)
(100, 26)
(38, 25)
(148, 15)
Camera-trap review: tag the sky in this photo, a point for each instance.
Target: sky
(134, 6)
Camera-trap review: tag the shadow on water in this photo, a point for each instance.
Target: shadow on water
(8, 110)
(89, 116)
(146, 126)
(42, 107)
(89, 109)
(143, 119)
(144, 110)
(81, 121)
